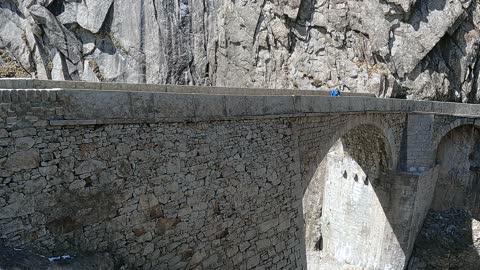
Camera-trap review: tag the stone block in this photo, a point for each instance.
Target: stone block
(253, 261)
(209, 106)
(5, 96)
(339, 104)
(165, 224)
(23, 160)
(449, 108)
(396, 105)
(356, 104)
(437, 106)
(14, 96)
(168, 105)
(6, 84)
(313, 104)
(244, 105)
(72, 122)
(24, 132)
(467, 109)
(187, 89)
(89, 166)
(22, 96)
(97, 105)
(24, 143)
(41, 84)
(422, 106)
(408, 105)
(17, 209)
(22, 84)
(107, 86)
(142, 105)
(267, 225)
(277, 105)
(90, 85)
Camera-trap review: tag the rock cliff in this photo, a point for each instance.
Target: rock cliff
(418, 49)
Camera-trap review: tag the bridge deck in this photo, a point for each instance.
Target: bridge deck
(98, 103)
(158, 88)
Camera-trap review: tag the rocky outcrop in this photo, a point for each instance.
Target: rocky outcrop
(397, 48)
(448, 240)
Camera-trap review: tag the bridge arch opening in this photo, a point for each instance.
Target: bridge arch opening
(344, 219)
(450, 236)
(458, 160)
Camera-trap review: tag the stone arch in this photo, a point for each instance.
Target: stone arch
(313, 157)
(457, 158)
(357, 155)
(453, 224)
(444, 130)
(384, 133)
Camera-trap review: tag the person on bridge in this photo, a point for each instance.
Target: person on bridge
(335, 92)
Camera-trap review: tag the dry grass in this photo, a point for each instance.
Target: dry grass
(10, 68)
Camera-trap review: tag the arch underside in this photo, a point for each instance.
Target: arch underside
(346, 202)
(458, 159)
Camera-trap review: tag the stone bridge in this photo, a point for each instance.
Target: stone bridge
(175, 177)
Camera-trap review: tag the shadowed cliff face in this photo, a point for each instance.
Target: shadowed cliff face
(402, 48)
(450, 237)
(458, 185)
(448, 240)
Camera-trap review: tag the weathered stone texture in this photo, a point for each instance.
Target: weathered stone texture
(161, 195)
(403, 48)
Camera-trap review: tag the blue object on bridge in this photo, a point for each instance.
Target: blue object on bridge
(335, 92)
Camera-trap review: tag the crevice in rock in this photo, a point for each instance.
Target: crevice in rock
(260, 20)
(57, 7)
(143, 64)
(473, 95)
(398, 12)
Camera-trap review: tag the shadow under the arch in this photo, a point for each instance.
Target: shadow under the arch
(357, 211)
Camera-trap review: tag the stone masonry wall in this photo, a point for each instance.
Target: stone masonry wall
(206, 194)
(213, 188)
(196, 195)
(317, 135)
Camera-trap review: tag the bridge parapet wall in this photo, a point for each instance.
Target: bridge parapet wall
(101, 106)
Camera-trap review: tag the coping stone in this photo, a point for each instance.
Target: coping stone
(167, 104)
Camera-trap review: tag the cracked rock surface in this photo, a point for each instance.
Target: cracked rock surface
(416, 49)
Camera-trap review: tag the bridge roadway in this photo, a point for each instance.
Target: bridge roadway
(176, 177)
(162, 102)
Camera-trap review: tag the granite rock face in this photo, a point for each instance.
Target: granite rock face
(396, 48)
